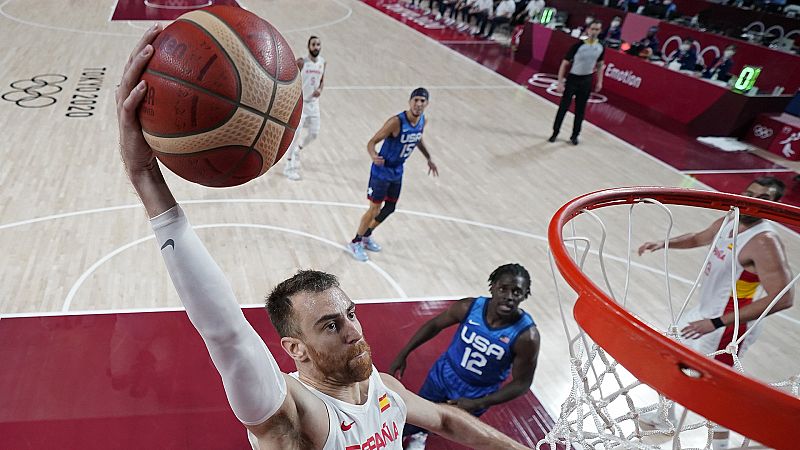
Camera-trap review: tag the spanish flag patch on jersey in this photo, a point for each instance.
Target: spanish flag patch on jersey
(383, 402)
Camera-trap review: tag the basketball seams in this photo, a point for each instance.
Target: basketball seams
(235, 132)
(261, 107)
(269, 107)
(255, 79)
(204, 91)
(244, 44)
(231, 62)
(210, 93)
(235, 168)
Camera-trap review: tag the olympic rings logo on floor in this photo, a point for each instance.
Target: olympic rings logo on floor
(549, 81)
(36, 92)
(762, 132)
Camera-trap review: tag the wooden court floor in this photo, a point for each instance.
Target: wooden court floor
(74, 238)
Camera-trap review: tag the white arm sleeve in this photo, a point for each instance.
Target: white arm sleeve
(253, 381)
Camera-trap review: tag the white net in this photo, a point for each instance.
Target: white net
(607, 407)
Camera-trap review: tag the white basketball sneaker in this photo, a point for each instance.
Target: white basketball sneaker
(356, 250)
(290, 172)
(370, 244)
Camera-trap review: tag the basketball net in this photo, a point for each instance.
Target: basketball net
(605, 404)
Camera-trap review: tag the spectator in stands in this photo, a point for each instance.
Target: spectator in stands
(480, 10)
(613, 32)
(444, 5)
(502, 14)
(670, 9)
(628, 5)
(586, 23)
(685, 58)
(647, 46)
(720, 68)
(464, 7)
(532, 10)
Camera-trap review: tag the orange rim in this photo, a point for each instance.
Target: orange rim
(715, 391)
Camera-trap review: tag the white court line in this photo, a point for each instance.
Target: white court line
(356, 206)
(86, 274)
(724, 171)
(326, 24)
(446, 87)
(55, 28)
(523, 88)
(552, 106)
(188, 8)
(109, 33)
(113, 10)
(338, 204)
(86, 312)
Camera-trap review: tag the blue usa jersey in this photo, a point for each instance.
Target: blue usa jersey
(395, 150)
(482, 355)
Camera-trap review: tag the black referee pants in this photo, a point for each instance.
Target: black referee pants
(580, 87)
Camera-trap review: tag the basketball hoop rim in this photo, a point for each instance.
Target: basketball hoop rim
(720, 393)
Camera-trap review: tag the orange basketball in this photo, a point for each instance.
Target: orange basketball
(224, 96)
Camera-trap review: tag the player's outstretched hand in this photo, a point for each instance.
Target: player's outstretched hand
(136, 153)
(650, 247)
(467, 404)
(398, 365)
(432, 169)
(697, 328)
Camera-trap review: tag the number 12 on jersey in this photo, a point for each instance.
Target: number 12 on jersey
(473, 360)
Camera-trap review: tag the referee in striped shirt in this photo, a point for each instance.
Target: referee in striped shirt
(582, 59)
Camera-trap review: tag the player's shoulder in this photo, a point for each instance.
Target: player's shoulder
(395, 121)
(529, 336)
(768, 237)
(300, 410)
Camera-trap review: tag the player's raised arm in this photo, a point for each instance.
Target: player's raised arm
(253, 382)
(688, 240)
(140, 162)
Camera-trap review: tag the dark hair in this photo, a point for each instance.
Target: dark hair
(596, 22)
(279, 303)
(769, 182)
(420, 92)
(511, 269)
(311, 39)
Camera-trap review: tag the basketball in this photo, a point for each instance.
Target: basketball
(223, 96)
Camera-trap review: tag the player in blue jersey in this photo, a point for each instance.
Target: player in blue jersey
(401, 134)
(494, 338)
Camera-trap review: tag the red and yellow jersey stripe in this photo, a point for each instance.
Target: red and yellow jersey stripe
(747, 284)
(383, 402)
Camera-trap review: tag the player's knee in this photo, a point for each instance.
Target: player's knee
(374, 209)
(387, 209)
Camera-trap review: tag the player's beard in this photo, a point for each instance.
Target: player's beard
(748, 220)
(314, 52)
(344, 368)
